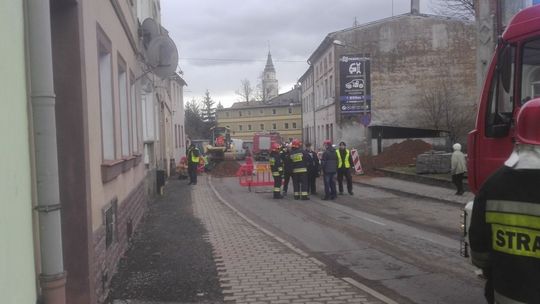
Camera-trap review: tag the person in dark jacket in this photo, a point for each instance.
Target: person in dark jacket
(313, 167)
(505, 222)
(276, 166)
(193, 157)
(287, 167)
(329, 169)
(345, 163)
(299, 171)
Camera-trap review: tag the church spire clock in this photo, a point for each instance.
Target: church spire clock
(269, 81)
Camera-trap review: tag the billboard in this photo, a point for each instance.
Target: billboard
(355, 87)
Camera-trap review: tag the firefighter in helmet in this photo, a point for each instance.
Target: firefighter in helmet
(276, 166)
(299, 170)
(505, 224)
(287, 166)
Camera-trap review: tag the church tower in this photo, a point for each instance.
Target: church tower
(269, 81)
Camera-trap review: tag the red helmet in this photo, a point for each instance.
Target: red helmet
(275, 146)
(528, 123)
(327, 142)
(295, 143)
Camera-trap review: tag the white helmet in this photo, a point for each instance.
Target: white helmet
(456, 147)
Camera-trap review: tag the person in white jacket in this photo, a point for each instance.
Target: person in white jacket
(459, 167)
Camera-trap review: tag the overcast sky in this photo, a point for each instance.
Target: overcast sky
(222, 42)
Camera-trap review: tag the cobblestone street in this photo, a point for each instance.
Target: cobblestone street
(254, 267)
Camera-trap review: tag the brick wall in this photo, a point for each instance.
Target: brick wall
(128, 215)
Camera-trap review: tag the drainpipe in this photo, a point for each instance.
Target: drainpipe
(53, 276)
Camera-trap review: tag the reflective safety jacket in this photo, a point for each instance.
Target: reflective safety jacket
(298, 161)
(276, 163)
(505, 234)
(193, 155)
(346, 160)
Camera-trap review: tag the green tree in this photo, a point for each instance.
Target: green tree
(208, 111)
(194, 123)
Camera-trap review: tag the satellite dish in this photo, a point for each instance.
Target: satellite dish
(150, 30)
(163, 56)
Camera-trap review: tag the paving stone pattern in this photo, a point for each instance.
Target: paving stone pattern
(255, 268)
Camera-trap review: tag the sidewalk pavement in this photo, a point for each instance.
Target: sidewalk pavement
(415, 189)
(254, 266)
(194, 247)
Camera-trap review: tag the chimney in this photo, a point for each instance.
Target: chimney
(415, 7)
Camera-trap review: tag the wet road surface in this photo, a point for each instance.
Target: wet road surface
(406, 248)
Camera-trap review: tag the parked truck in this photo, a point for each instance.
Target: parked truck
(262, 142)
(513, 78)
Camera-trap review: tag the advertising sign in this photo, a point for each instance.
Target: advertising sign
(355, 87)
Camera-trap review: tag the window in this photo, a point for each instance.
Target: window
(181, 136)
(274, 126)
(261, 111)
(262, 126)
(124, 108)
(240, 128)
(290, 110)
(273, 111)
(286, 125)
(240, 113)
(227, 114)
(331, 86)
(106, 97)
(249, 127)
(501, 100)
(249, 113)
(530, 79)
(326, 88)
(134, 112)
(176, 136)
(294, 125)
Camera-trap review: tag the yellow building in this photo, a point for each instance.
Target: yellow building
(282, 114)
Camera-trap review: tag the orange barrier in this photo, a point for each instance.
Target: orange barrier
(257, 175)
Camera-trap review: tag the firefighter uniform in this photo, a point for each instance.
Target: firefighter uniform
(276, 166)
(287, 169)
(299, 173)
(505, 235)
(505, 223)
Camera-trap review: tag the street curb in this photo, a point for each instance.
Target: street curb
(314, 260)
(397, 191)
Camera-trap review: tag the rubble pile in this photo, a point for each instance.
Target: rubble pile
(226, 168)
(396, 155)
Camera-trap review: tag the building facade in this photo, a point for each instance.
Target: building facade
(176, 87)
(409, 56)
(281, 114)
(18, 264)
(104, 87)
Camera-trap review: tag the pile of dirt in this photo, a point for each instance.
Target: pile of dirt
(396, 155)
(226, 168)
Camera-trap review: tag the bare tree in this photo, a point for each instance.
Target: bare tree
(245, 91)
(464, 9)
(258, 93)
(439, 109)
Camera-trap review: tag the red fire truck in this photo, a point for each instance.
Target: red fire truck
(262, 142)
(513, 78)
